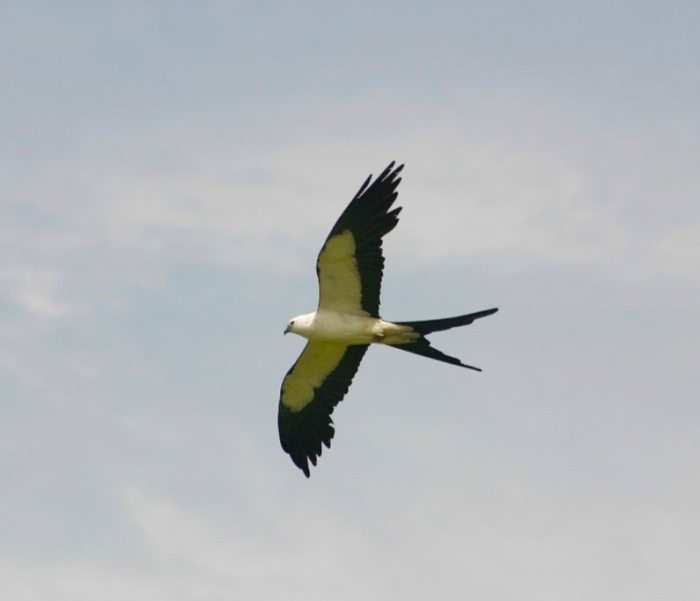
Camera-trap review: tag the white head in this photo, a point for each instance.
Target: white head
(301, 324)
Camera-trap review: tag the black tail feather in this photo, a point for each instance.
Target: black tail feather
(422, 345)
(436, 325)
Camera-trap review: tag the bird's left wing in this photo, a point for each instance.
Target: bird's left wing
(350, 264)
(312, 388)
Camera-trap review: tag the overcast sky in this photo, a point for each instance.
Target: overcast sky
(168, 172)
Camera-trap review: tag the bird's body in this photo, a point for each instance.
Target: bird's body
(347, 321)
(346, 328)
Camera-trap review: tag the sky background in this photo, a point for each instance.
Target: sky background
(168, 172)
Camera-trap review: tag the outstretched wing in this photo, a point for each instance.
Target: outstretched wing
(312, 388)
(349, 266)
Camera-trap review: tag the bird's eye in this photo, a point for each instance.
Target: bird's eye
(291, 323)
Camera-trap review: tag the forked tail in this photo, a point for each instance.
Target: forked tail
(422, 345)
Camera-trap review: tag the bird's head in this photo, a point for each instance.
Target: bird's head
(300, 324)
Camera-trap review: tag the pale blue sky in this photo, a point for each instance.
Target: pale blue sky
(168, 172)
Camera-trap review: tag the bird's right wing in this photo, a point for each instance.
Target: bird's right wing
(350, 264)
(312, 388)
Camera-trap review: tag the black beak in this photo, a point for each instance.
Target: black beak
(287, 329)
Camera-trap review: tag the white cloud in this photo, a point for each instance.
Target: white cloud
(248, 557)
(496, 179)
(35, 291)
(678, 251)
(401, 541)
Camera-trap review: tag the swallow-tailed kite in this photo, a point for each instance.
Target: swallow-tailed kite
(346, 322)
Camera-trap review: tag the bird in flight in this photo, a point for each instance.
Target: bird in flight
(349, 269)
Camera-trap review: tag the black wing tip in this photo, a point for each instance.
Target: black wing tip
(301, 459)
(302, 456)
(382, 191)
(390, 172)
(363, 187)
(302, 464)
(302, 439)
